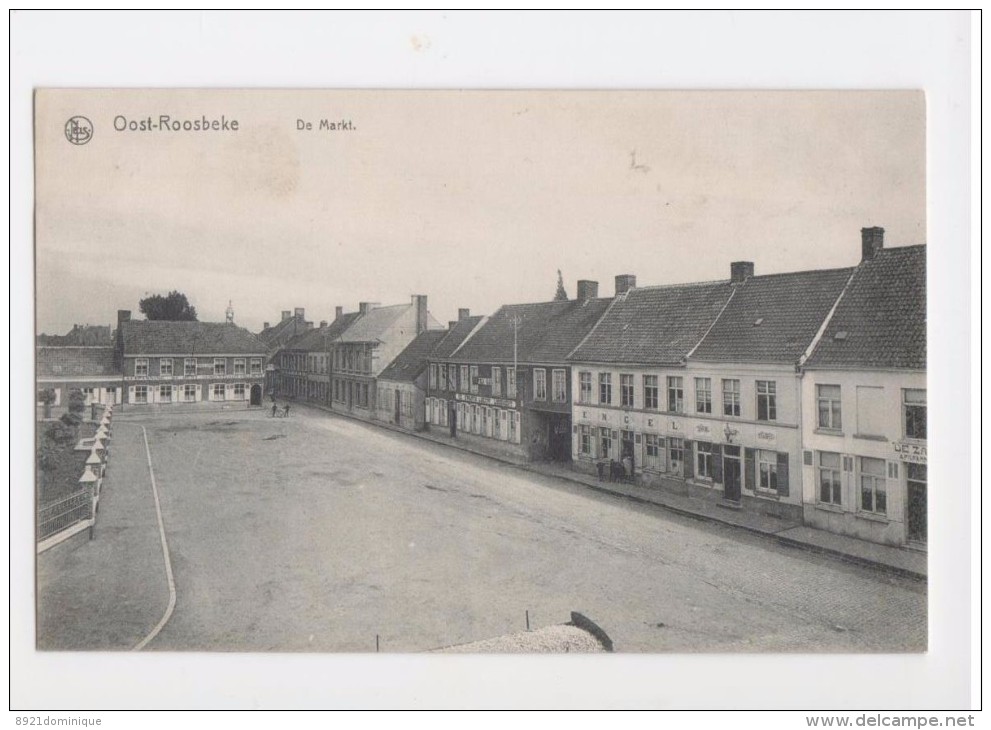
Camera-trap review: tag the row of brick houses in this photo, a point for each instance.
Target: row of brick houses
(799, 394)
(156, 364)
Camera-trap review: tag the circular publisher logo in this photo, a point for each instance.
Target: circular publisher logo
(79, 130)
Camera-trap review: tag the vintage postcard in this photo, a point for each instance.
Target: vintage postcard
(481, 371)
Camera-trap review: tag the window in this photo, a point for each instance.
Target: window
(916, 474)
(676, 449)
(539, 384)
(605, 442)
(914, 413)
(452, 377)
(767, 468)
(165, 393)
(731, 397)
(496, 381)
(767, 400)
(652, 445)
(140, 393)
(514, 421)
(559, 383)
(464, 378)
(703, 460)
(239, 391)
(511, 382)
(189, 393)
(189, 367)
(433, 375)
(870, 411)
(219, 366)
(676, 394)
(585, 435)
(650, 393)
(474, 378)
(830, 486)
(830, 412)
(484, 430)
(474, 419)
(584, 387)
(239, 366)
(873, 495)
(219, 391)
(703, 395)
(605, 388)
(256, 366)
(442, 377)
(497, 416)
(165, 367)
(141, 366)
(626, 390)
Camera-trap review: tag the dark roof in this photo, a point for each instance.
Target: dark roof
(318, 339)
(283, 330)
(158, 337)
(881, 320)
(80, 334)
(547, 332)
(455, 336)
(657, 325)
(773, 318)
(74, 360)
(411, 362)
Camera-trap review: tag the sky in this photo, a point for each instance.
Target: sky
(475, 199)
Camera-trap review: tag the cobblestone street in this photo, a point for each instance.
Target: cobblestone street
(317, 533)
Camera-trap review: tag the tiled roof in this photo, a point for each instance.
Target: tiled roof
(318, 339)
(412, 361)
(657, 325)
(283, 330)
(81, 334)
(158, 337)
(371, 325)
(773, 318)
(71, 360)
(455, 336)
(881, 320)
(547, 331)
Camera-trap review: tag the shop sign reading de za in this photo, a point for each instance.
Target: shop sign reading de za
(911, 452)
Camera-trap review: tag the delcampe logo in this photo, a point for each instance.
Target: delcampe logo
(79, 130)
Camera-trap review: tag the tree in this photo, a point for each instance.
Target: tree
(560, 295)
(77, 401)
(47, 397)
(174, 307)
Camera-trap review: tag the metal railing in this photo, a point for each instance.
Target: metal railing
(61, 515)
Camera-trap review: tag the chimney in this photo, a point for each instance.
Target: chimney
(323, 323)
(464, 313)
(420, 302)
(123, 315)
(587, 290)
(872, 241)
(451, 324)
(338, 312)
(264, 325)
(366, 307)
(286, 314)
(625, 282)
(740, 271)
(300, 313)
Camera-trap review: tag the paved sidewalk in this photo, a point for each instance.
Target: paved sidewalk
(108, 592)
(900, 561)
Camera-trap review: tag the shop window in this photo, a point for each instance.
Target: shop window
(605, 442)
(652, 445)
(165, 393)
(140, 393)
(189, 393)
(703, 460)
(830, 482)
(873, 492)
(767, 470)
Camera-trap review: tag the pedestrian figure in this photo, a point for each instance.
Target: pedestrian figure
(286, 412)
(275, 409)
